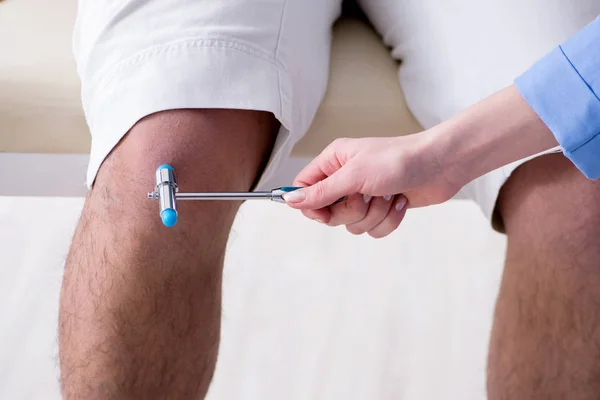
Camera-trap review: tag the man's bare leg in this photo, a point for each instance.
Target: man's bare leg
(140, 303)
(546, 337)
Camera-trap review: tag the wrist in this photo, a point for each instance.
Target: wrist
(442, 143)
(458, 156)
(426, 162)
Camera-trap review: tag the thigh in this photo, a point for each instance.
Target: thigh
(136, 58)
(456, 52)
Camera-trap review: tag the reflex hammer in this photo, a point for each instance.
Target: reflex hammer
(167, 193)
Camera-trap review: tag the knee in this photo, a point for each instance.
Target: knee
(547, 201)
(211, 150)
(205, 146)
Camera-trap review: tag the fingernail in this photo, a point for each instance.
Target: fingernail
(318, 220)
(294, 197)
(400, 204)
(367, 198)
(387, 197)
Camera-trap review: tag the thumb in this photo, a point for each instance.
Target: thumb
(323, 193)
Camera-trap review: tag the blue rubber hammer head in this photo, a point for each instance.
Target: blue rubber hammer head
(166, 187)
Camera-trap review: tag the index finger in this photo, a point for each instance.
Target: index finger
(321, 167)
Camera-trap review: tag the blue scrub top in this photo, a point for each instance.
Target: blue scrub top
(563, 88)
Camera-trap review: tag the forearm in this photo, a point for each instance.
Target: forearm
(492, 133)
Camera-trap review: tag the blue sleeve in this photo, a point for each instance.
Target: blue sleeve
(563, 89)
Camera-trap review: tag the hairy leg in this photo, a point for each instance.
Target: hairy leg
(140, 303)
(546, 337)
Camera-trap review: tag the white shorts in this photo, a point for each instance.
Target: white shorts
(140, 57)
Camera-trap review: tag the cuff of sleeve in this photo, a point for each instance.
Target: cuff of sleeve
(189, 74)
(563, 100)
(587, 157)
